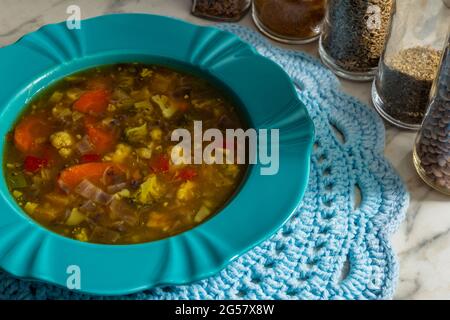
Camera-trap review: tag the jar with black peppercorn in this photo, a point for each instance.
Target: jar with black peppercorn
(432, 148)
(353, 36)
(221, 10)
(410, 61)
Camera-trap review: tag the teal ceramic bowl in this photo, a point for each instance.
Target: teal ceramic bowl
(263, 203)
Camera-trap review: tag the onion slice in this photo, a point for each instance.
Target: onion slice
(90, 191)
(84, 146)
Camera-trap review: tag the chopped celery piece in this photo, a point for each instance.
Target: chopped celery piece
(17, 180)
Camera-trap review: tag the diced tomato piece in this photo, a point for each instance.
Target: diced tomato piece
(160, 164)
(186, 174)
(93, 102)
(34, 164)
(90, 158)
(102, 139)
(31, 133)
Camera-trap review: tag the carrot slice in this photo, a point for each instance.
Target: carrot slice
(103, 140)
(30, 134)
(92, 171)
(95, 101)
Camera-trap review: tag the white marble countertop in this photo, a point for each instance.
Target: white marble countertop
(422, 243)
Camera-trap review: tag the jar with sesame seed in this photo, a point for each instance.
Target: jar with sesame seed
(410, 61)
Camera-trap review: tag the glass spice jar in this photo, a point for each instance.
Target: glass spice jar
(410, 61)
(353, 36)
(221, 10)
(289, 21)
(432, 148)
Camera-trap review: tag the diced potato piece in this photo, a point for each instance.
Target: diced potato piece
(202, 214)
(17, 194)
(137, 134)
(121, 153)
(30, 207)
(167, 108)
(151, 189)
(75, 218)
(186, 191)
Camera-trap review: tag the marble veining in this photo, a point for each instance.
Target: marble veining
(422, 242)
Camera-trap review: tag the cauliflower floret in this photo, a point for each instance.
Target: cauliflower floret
(138, 134)
(63, 141)
(150, 190)
(186, 191)
(121, 153)
(167, 108)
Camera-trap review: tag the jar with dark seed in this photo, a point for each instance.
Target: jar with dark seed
(409, 64)
(432, 147)
(353, 36)
(220, 10)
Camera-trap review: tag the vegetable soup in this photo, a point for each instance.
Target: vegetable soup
(90, 158)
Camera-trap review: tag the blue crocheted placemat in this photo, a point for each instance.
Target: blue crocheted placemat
(333, 247)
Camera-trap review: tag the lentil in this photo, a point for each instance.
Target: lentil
(432, 150)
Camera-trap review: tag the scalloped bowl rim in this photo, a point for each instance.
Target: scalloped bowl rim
(28, 250)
